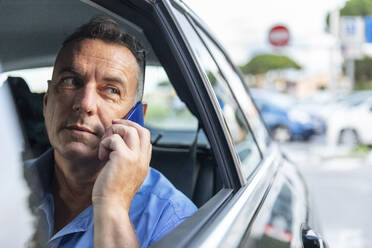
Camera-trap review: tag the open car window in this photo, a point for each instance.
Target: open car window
(239, 90)
(245, 146)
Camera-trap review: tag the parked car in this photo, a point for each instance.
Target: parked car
(342, 100)
(350, 124)
(214, 147)
(284, 118)
(323, 102)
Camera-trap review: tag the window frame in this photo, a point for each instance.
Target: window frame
(237, 102)
(207, 86)
(196, 21)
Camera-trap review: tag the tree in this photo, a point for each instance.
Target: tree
(354, 8)
(363, 73)
(164, 84)
(357, 8)
(363, 70)
(267, 62)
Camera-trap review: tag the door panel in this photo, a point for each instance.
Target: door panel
(230, 226)
(281, 217)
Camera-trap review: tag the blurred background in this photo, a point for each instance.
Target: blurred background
(309, 65)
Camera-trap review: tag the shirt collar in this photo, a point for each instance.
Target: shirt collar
(80, 223)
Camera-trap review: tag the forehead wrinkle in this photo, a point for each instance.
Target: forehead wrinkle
(121, 67)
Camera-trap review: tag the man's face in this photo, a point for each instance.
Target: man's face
(93, 83)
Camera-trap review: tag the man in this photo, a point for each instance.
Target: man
(96, 184)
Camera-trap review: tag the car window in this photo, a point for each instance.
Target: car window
(239, 91)
(165, 109)
(245, 146)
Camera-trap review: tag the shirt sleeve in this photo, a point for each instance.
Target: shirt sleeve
(171, 218)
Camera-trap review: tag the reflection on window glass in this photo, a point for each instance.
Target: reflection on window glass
(240, 133)
(245, 147)
(165, 109)
(240, 92)
(36, 78)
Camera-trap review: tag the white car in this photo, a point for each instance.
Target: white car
(350, 124)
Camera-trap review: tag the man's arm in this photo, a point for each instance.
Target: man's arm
(126, 147)
(112, 226)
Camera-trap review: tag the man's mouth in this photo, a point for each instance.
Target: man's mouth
(80, 129)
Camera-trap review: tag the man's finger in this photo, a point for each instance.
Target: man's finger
(111, 143)
(143, 133)
(129, 135)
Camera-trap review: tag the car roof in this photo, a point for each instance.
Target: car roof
(43, 25)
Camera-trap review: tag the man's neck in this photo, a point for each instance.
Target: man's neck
(72, 186)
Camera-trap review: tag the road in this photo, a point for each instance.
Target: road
(341, 185)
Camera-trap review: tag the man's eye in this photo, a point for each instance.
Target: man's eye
(112, 90)
(69, 82)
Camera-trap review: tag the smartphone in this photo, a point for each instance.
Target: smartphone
(136, 114)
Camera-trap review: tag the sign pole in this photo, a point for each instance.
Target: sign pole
(350, 71)
(352, 36)
(334, 26)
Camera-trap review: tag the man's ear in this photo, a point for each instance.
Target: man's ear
(144, 108)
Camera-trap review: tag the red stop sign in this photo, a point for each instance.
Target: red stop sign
(279, 36)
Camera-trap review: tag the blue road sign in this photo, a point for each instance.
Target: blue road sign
(368, 25)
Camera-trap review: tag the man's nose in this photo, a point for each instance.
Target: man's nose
(86, 100)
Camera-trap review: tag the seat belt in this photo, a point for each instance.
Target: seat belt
(194, 167)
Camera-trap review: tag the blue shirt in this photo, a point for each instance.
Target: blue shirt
(156, 209)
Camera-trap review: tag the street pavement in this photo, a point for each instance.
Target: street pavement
(340, 182)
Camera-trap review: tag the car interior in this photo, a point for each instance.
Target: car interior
(181, 150)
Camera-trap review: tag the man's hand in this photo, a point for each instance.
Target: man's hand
(126, 147)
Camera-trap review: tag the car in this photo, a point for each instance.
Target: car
(285, 118)
(349, 124)
(322, 102)
(342, 99)
(207, 135)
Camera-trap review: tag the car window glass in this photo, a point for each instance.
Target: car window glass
(240, 92)
(165, 109)
(244, 144)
